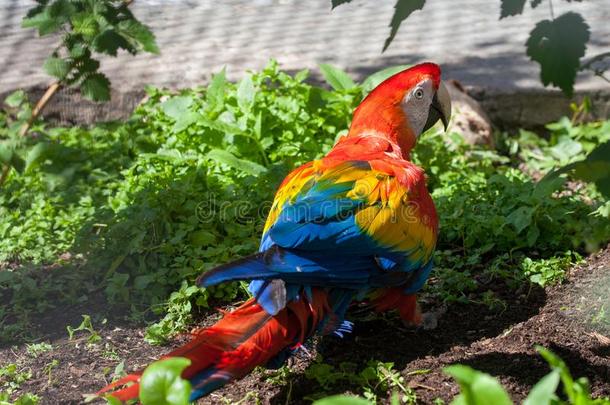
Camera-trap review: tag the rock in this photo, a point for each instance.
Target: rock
(468, 117)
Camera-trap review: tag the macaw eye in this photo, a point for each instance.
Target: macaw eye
(418, 93)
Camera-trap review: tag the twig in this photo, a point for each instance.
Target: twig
(40, 105)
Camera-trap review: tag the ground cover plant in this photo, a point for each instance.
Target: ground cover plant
(131, 212)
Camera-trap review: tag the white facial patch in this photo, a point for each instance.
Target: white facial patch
(416, 105)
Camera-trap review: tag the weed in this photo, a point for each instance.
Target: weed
(85, 325)
(36, 349)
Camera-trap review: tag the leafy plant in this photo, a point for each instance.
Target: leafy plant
(87, 28)
(36, 349)
(87, 326)
(478, 388)
(161, 383)
(375, 378)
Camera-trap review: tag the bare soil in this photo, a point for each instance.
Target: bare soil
(569, 319)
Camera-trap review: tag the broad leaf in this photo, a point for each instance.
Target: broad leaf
(16, 99)
(177, 106)
(595, 168)
(543, 393)
(161, 383)
(36, 154)
(216, 90)
(10, 157)
(477, 388)
(140, 33)
(43, 22)
(376, 78)
(521, 218)
(337, 78)
(511, 7)
(110, 41)
(96, 87)
(402, 10)
(342, 400)
(245, 93)
(229, 159)
(557, 45)
(56, 67)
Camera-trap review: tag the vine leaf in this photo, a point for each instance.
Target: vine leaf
(402, 10)
(511, 7)
(557, 45)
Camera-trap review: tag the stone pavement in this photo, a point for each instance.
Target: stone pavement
(197, 38)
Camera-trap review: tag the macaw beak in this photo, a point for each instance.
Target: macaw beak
(440, 109)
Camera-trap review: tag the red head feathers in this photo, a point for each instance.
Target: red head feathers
(403, 106)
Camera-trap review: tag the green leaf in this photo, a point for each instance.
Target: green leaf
(337, 3)
(161, 383)
(110, 400)
(477, 388)
(86, 25)
(56, 67)
(337, 78)
(402, 10)
(594, 168)
(43, 22)
(109, 42)
(229, 159)
(96, 87)
(245, 93)
(520, 218)
(9, 156)
(216, 90)
(558, 364)
(544, 391)
(342, 400)
(511, 7)
(16, 99)
(36, 154)
(140, 33)
(557, 45)
(177, 106)
(376, 78)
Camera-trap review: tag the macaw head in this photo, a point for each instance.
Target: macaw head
(404, 106)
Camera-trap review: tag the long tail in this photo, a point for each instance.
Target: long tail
(243, 339)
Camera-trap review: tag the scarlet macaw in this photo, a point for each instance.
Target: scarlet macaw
(356, 223)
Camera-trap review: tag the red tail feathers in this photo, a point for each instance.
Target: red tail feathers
(385, 299)
(243, 339)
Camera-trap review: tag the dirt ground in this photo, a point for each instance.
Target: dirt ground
(569, 319)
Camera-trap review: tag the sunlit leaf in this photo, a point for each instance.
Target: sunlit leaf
(229, 159)
(477, 388)
(161, 383)
(56, 67)
(337, 78)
